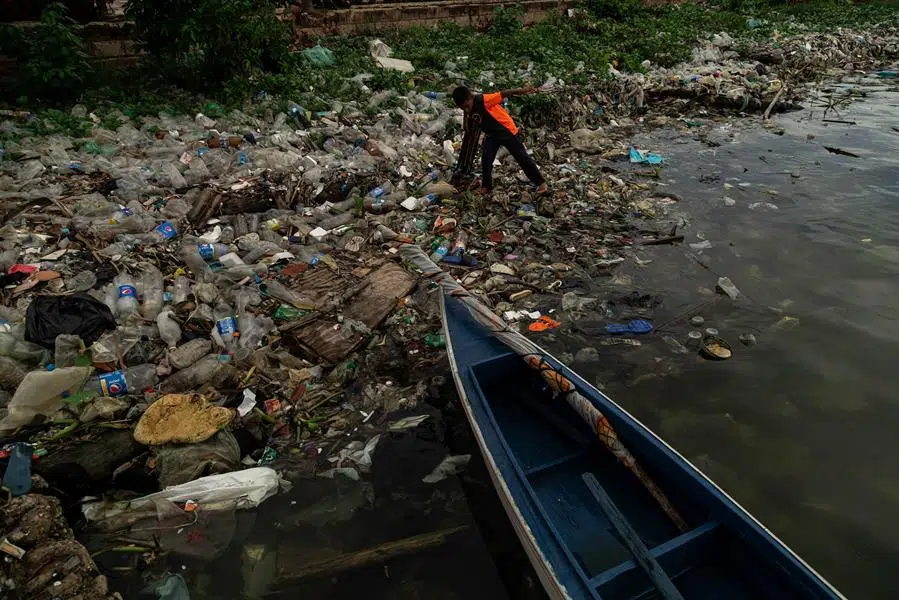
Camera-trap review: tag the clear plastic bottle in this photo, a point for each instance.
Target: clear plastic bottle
(227, 234)
(151, 284)
(187, 354)
(194, 376)
(251, 334)
(379, 205)
(16, 348)
(132, 380)
(279, 291)
(181, 290)
(194, 261)
(163, 232)
(126, 295)
(212, 251)
(169, 330)
(441, 251)
(225, 331)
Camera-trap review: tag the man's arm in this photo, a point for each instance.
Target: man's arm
(525, 91)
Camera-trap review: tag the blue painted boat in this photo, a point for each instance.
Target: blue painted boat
(590, 527)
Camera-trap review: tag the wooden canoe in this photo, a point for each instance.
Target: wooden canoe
(590, 528)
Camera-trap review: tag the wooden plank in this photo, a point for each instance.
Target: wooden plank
(632, 540)
(387, 285)
(325, 340)
(289, 570)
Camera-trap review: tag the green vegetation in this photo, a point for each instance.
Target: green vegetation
(236, 52)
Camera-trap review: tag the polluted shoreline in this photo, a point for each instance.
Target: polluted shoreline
(202, 315)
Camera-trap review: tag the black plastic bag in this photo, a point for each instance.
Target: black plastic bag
(78, 314)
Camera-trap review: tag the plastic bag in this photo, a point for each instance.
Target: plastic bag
(79, 314)
(319, 56)
(40, 394)
(181, 464)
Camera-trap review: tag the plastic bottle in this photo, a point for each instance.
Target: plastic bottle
(18, 349)
(67, 350)
(187, 354)
(212, 251)
(161, 233)
(225, 331)
(379, 205)
(151, 284)
(441, 251)
(169, 330)
(126, 295)
(460, 244)
(195, 262)
(278, 291)
(194, 376)
(227, 234)
(132, 380)
(181, 290)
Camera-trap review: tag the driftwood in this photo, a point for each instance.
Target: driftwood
(289, 572)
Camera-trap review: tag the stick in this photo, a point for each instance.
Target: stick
(773, 102)
(535, 358)
(839, 121)
(377, 554)
(632, 540)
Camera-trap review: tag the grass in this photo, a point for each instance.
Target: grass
(620, 32)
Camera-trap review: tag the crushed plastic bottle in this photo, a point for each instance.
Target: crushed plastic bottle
(194, 376)
(225, 331)
(132, 380)
(187, 354)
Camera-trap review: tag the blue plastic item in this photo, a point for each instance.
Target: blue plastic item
(17, 478)
(641, 156)
(637, 326)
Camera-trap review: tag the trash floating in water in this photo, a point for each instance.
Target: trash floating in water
(642, 156)
(714, 348)
(636, 326)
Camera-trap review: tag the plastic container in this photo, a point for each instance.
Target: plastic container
(163, 232)
(132, 380)
(441, 251)
(151, 284)
(187, 354)
(169, 330)
(181, 290)
(225, 331)
(212, 251)
(194, 376)
(125, 296)
(379, 205)
(41, 393)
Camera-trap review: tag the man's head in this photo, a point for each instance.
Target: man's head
(463, 98)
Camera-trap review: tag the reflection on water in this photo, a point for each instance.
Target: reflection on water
(800, 428)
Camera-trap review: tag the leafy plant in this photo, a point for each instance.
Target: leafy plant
(53, 59)
(203, 43)
(507, 20)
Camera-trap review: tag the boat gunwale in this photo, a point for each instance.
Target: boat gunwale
(713, 488)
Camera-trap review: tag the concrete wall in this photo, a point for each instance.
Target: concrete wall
(112, 45)
(374, 17)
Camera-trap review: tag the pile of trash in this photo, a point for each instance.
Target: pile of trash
(730, 74)
(196, 310)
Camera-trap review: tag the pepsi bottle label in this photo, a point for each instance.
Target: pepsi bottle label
(166, 229)
(226, 327)
(113, 384)
(127, 291)
(206, 251)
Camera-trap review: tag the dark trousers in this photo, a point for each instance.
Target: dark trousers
(516, 148)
